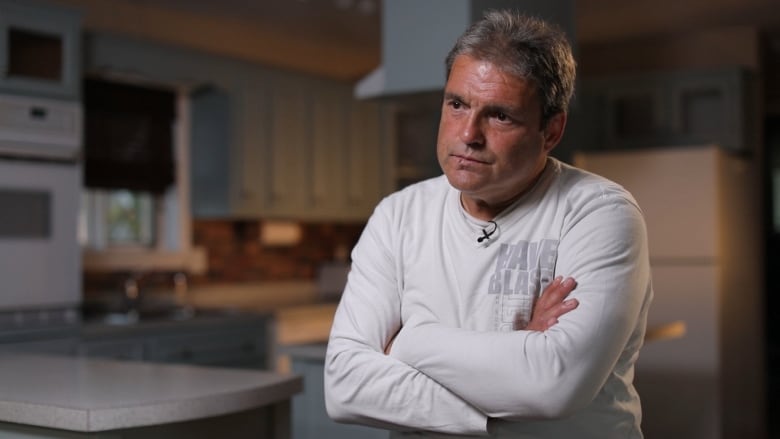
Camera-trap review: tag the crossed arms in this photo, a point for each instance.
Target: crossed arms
(453, 380)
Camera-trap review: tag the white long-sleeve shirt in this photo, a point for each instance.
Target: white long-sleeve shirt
(459, 365)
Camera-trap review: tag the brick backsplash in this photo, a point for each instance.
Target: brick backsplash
(235, 254)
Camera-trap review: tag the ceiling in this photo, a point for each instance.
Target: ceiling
(353, 22)
(358, 21)
(341, 38)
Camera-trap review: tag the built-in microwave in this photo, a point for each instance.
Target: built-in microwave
(40, 187)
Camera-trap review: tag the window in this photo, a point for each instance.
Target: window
(118, 218)
(140, 229)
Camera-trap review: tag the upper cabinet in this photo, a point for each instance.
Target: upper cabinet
(39, 49)
(300, 148)
(667, 109)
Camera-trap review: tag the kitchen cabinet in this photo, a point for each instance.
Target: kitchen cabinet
(310, 420)
(40, 49)
(240, 341)
(23, 333)
(416, 130)
(210, 116)
(234, 347)
(326, 152)
(54, 346)
(303, 149)
(131, 349)
(290, 152)
(668, 108)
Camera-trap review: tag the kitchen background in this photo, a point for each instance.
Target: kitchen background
(292, 119)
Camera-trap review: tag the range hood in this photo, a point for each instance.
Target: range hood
(418, 34)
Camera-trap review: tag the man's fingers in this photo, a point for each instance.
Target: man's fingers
(552, 304)
(557, 290)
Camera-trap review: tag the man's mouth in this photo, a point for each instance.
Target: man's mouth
(467, 159)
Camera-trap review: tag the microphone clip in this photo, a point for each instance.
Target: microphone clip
(485, 234)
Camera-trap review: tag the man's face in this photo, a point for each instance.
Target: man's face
(491, 145)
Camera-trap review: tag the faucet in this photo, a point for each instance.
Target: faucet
(131, 290)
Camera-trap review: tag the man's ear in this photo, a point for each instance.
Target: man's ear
(553, 131)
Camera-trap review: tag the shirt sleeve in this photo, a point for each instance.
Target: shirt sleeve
(362, 384)
(527, 374)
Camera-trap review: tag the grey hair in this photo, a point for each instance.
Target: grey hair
(523, 46)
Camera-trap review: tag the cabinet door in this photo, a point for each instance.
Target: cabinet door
(369, 165)
(251, 163)
(309, 418)
(57, 346)
(40, 50)
(668, 109)
(330, 173)
(127, 349)
(240, 348)
(210, 141)
(289, 156)
(712, 107)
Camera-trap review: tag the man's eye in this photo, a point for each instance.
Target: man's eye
(455, 104)
(501, 117)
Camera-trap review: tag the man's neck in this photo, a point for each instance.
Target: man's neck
(483, 209)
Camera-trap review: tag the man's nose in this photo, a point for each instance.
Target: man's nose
(471, 132)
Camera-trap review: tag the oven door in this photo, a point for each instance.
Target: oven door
(40, 261)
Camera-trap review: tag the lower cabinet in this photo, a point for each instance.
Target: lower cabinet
(224, 342)
(309, 418)
(130, 349)
(240, 342)
(49, 346)
(232, 348)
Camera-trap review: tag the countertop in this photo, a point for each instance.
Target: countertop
(89, 395)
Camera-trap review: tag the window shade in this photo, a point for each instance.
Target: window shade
(128, 139)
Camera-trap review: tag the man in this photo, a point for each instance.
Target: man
(439, 331)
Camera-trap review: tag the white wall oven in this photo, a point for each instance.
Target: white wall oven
(40, 184)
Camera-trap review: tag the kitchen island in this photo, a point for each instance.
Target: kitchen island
(67, 397)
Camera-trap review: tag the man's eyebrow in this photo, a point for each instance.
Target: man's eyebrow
(452, 96)
(509, 110)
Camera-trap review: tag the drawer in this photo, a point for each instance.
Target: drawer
(213, 348)
(114, 349)
(61, 346)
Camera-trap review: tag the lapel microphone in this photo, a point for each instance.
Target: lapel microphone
(486, 234)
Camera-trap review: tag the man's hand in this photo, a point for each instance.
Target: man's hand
(551, 304)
